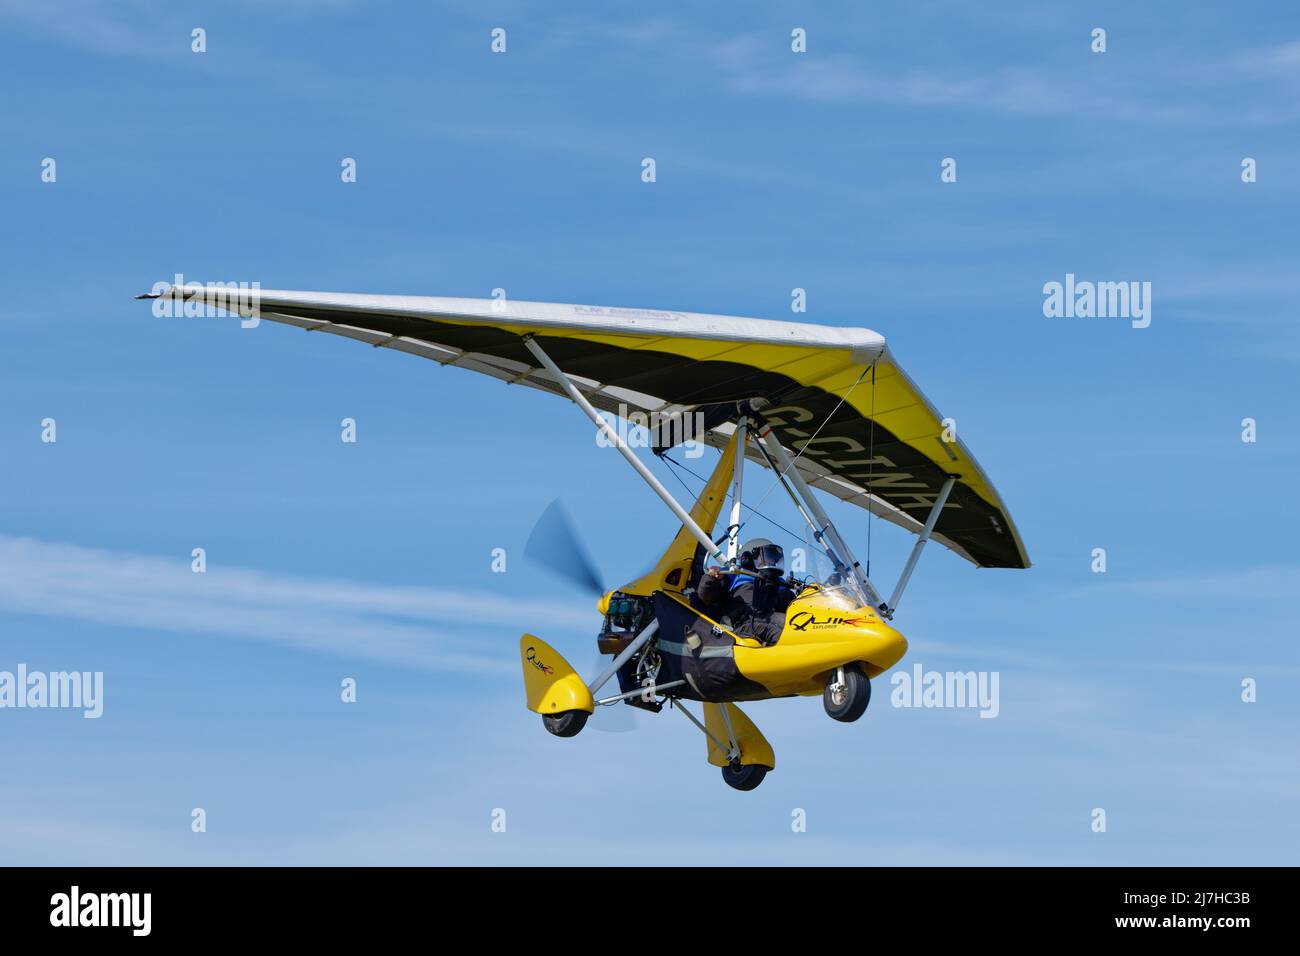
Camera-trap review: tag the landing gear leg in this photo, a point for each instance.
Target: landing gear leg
(848, 691)
(720, 723)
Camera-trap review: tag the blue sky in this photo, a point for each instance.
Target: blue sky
(522, 171)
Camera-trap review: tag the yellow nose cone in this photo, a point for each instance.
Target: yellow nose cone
(885, 647)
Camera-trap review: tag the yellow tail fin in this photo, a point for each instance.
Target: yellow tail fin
(551, 685)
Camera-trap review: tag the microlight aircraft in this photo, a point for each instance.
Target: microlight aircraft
(827, 410)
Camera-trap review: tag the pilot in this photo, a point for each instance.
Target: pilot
(752, 601)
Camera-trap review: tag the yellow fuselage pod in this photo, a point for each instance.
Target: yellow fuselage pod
(818, 638)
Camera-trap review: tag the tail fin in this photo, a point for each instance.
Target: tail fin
(551, 685)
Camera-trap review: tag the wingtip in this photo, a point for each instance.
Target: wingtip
(160, 290)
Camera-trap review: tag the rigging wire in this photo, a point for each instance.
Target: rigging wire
(692, 492)
(871, 465)
(794, 461)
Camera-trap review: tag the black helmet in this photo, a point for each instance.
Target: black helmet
(759, 554)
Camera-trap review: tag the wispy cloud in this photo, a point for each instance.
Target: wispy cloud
(418, 627)
(1144, 94)
(750, 67)
(1278, 584)
(1280, 60)
(130, 27)
(1167, 86)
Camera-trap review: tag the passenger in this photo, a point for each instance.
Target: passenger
(751, 602)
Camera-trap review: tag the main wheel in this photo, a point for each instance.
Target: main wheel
(566, 724)
(848, 700)
(744, 776)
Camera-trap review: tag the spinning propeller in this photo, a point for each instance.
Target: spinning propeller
(554, 544)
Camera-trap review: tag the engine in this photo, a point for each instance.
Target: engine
(627, 616)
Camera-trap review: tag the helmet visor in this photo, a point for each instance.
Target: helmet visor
(769, 556)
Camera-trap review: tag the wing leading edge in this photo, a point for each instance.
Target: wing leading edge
(856, 424)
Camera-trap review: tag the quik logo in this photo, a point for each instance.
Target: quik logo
(75, 908)
(533, 659)
(806, 619)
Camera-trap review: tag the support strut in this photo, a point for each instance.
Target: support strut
(823, 527)
(737, 485)
(655, 484)
(935, 510)
(624, 656)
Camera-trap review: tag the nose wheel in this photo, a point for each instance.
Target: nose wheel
(847, 693)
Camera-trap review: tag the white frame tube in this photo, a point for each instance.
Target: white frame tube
(649, 689)
(798, 505)
(737, 485)
(655, 484)
(921, 539)
(691, 717)
(837, 545)
(734, 752)
(624, 656)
